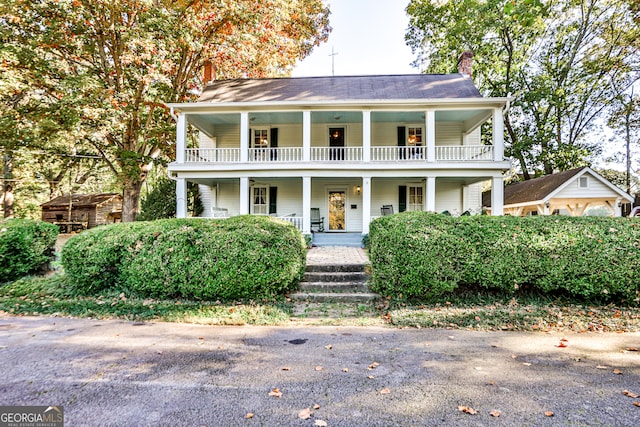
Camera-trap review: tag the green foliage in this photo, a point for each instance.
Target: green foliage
(25, 246)
(239, 257)
(563, 61)
(160, 202)
(92, 76)
(422, 255)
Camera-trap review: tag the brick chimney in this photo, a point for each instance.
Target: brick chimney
(208, 72)
(465, 63)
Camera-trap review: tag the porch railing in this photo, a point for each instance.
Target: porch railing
(337, 154)
(286, 154)
(324, 154)
(212, 155)
(464, 152)
(295, 220)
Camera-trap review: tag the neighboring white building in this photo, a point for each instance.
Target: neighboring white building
(343, 145)
(570, 193)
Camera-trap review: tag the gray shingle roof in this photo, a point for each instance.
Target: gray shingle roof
(342, 88)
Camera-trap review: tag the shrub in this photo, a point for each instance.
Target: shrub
(421, 254)
(235, 258)
(25, 246)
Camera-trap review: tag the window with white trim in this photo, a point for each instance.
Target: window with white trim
(260, 200)
(583, 182)
(260, 138)
(416, 201)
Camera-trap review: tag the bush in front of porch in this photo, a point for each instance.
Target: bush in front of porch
(237, 258)
(421, 255)
(25, 246)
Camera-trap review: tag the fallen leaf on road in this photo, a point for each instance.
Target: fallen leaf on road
(467, 410)
(249, 415)
(495, 413)
(564, 340)
(562, 344)
(328, 347)
(320, 423)
(602, 367)
(385, 391)
(370, 377)
(631, 394)
(548, 414)
(316, 406)
(275, 392)
(319, 368)
(345, 369)
(286, 368)
(305, 414)
(632, 349)
(637, 404)
(374, 365)
(617, 371)
(526, 364)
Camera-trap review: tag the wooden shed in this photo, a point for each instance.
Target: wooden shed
(567, 193)
(82, 211)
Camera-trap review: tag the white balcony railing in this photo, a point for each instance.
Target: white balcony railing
(396, 153)
(287, 154)
(348, 154)
(212, 155)
(449, 153)
(464, 152)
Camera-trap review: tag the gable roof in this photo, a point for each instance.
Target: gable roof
(544, 188)
(81, 200)
(341, 88)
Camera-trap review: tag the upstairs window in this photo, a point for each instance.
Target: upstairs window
(260, 138)
(583, 182)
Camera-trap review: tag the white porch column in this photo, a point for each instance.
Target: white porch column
(306, 204)
(181, 138)
(498, 135)
(181, 198)
(306, 138)
(618, 207)
(244, 138)
(366, 204)
(430, 124)
(497, 196)
(244, 195)
(430, 199)
(366, 135)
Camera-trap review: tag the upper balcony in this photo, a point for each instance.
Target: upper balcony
(369, 135)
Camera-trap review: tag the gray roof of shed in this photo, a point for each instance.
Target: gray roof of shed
(532, 189)
(342, 88)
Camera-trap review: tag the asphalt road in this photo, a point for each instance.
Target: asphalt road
(114, 373)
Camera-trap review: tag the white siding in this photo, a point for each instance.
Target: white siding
(595, 189)
(448, 134)
(205, 141)
(449, 197)
(473, 138)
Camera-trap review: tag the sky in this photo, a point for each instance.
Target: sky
(367, 37)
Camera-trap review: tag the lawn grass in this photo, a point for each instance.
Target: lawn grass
(51, 296)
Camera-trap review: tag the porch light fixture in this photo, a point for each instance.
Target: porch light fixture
(358, 189)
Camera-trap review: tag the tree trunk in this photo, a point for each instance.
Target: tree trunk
(131, 199)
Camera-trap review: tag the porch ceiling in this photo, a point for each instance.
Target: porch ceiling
(470, 118)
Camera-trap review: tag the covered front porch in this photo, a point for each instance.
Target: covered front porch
(338, 204)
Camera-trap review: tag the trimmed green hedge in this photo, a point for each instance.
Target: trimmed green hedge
(25, 247)
(419, 254)
(236, 258)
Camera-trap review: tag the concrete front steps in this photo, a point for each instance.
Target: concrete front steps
(344, 283)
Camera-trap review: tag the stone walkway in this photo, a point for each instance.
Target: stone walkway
(327, 255)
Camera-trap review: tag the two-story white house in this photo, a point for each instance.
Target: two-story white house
(328, 153)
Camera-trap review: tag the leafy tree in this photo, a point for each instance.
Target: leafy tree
(160, 202)
(625, 120)
(564, 62)
(95, 74)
